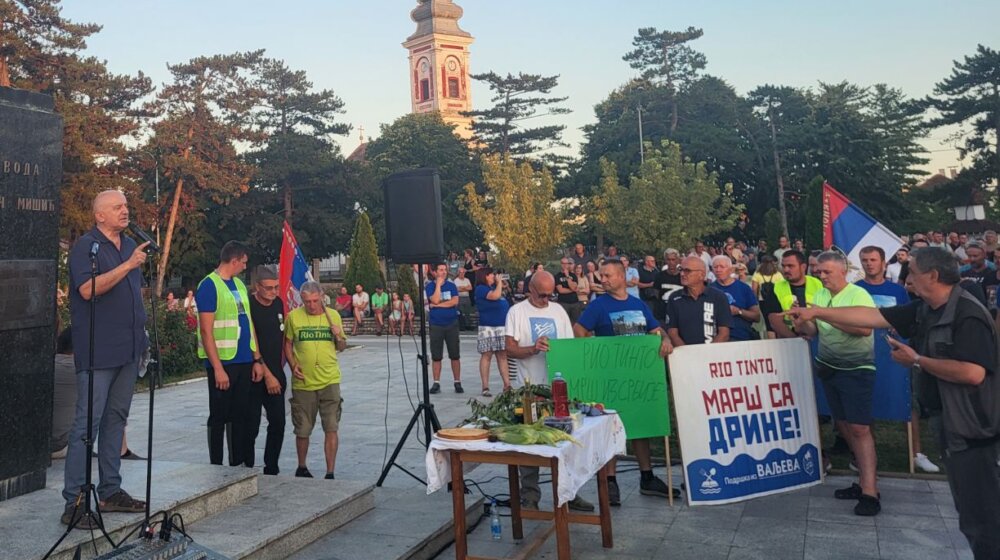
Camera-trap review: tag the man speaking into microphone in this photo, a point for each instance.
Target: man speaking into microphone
(119, 341)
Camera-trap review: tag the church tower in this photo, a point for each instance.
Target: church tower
(439, 63)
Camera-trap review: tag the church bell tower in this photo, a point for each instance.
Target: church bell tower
(439, 64)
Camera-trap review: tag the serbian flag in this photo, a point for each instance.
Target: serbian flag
(293, 270)
(850, 229)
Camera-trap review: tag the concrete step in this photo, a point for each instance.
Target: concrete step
(405, 525)
(29, 525)
(286, 515)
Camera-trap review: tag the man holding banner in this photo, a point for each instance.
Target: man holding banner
(617, 313)
(529, 327)
(845, 363)
(955, 349)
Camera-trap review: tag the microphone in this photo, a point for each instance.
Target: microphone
(152, 247)
(94, 248)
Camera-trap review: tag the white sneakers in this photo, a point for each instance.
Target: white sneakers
(923, 463)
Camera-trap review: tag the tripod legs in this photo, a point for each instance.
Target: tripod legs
(430, 420)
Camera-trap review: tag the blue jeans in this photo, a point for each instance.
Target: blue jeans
(113, 390)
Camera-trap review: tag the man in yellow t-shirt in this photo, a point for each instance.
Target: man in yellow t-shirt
(313, 336)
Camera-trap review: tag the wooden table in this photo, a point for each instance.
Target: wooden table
(561, 517)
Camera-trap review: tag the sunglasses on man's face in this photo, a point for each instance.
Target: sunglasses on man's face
(268, 288)
(689, 270)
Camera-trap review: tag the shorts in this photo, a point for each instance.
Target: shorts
(305, 404)
(849, 393)
(441, 335)
(491, 339)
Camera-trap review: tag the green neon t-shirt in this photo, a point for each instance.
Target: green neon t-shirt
(314, 348)
(838, 349)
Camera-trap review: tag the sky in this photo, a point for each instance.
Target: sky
(354, 46)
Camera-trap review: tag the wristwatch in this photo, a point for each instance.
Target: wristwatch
(259, 361)
(916, 361)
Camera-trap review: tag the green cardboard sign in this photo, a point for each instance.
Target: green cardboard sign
(625, 373)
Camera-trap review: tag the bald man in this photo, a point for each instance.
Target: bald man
(529, 327)
(119, 341)
(697, 314)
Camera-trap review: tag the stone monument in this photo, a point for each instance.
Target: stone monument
(30, 176)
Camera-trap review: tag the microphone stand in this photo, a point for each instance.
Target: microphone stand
(88, 490)
(146, 530)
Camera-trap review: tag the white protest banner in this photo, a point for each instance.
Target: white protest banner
(746, 419)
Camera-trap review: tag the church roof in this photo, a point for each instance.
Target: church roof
(437, 16)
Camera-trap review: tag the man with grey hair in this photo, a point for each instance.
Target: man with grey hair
(954, 348)
(667, 281)
(119, 341)
(267, 313)
(845, 363)
(313, 336)
(981, 271)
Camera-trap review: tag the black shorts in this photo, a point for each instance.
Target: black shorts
(441, 335)
(849, 393)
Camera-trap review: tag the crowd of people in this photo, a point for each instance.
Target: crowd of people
(938, 291)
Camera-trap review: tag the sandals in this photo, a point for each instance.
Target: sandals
(487, 393)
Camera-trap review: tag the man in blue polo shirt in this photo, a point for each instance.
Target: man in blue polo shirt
(442, 297)
(617, 313)
(119, 341)
(697, 314)
(743, 304)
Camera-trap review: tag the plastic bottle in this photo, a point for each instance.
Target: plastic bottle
(494, 520)
(560, 399)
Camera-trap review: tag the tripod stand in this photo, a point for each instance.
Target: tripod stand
(88, 490)
(424, 408)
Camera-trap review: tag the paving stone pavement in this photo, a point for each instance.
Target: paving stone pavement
(918, 519)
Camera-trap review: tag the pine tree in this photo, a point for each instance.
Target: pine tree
(206, 113)
(499, 129)
(363, 267)
(971, 96)
(665, 58)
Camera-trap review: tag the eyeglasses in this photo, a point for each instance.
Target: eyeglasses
(689, 270)
(268, 288)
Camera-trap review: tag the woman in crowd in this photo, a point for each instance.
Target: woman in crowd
(492, 316)
(396, 315)
(594, 280)
(407, 315)
(582, 284)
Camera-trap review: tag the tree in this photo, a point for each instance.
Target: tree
(299, 124)
(206, 112)
(516, 211)
(425, 140)
(41, 51)
(781, 109)
(970, 96)
(671, 202)
(663, 57)
(363, 267)
(406, 283)
(516, 99)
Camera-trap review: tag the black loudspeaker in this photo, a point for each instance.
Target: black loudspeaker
(413, 230)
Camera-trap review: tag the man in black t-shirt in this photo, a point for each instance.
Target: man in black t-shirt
(954, 350)
(981, 272)
(689, 309)
(267, 313)
(667, 281)
(647, 282)
(566, 289)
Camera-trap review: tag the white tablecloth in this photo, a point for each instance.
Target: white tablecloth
(600, 437)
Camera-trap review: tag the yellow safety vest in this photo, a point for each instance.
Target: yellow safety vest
(227, 319)
(783, 291)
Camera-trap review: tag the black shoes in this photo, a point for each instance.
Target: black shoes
(868, 506)
(614, 494)
(435, 388)
(851, 493)
(458, 387)
(303, 472)
(329, 476)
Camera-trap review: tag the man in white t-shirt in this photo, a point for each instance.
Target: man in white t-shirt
(530, 325)
(360, 301)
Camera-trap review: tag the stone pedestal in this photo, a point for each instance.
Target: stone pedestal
(30, 176)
